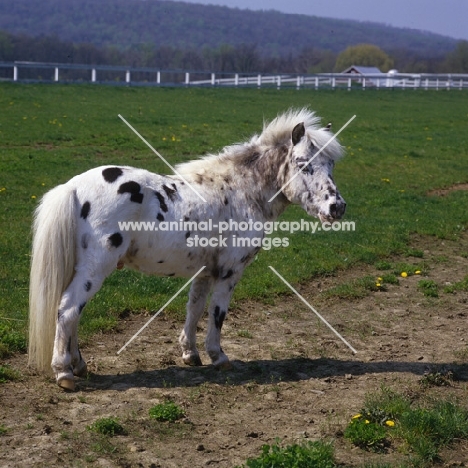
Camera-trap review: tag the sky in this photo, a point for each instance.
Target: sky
(446, 17)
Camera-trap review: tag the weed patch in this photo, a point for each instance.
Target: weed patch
(429, 288)
(316, 454)
(108, 427)
(168, 411)
(7, 373)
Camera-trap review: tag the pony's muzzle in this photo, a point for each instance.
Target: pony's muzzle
(335, 211)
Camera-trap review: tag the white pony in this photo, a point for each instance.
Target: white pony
(78, 241)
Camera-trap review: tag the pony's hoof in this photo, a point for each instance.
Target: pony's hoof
(67, 384)
(223, 366)
(192, 360)
(81, 370)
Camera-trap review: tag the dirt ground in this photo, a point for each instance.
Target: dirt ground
(292, 378)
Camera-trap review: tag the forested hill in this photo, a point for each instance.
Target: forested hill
(124, 23)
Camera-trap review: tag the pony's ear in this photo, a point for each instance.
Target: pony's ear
(328, 127)
(297, 133)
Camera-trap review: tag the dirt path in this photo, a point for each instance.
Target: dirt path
(291, 379)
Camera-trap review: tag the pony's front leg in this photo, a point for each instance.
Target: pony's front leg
(222, 292)
(199, 291)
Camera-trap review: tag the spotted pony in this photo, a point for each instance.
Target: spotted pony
(78, 240)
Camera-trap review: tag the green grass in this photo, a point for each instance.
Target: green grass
(458, 286)
(429, 288)
(316, 454)
(416, 428)
(168, 411)
(107, 426)
(401, 145)
(7, 373)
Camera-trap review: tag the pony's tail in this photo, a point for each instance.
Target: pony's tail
(52, 269)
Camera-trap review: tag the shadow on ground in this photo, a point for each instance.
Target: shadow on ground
(263, 372)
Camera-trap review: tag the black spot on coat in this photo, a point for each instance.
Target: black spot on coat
(115, 239)
(111, 174)
(170, 192)
(88, 285)
(134, 189)
(85, 210)
(81, 307)
(162, 201)
(160, 217)
(219, 316)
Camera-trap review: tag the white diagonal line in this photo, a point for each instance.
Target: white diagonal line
(313, 310)
(311, 159)
(161, 309)
(160, 156)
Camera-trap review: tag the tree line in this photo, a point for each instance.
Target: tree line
(241, 58)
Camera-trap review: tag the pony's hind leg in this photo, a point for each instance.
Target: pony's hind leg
(66, 359)
(199, 291)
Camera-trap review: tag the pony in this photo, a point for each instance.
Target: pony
(79, 239)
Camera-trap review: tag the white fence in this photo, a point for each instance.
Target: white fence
(117, 75)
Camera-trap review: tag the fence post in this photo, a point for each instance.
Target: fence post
(298, 82)
(187, 78)
(364, 83)
(316, 83)
(15, 73)
(93, 75)
(158, 77)
(259, 81)
(56, 74)
(236, 79)
(278, 82)
(349, 84)
(213, 78)
(333, 82)
(127, 76)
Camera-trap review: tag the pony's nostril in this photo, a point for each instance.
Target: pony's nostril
(333, 209)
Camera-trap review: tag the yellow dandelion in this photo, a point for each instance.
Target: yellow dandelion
(357, 416)
(378, 285)
(404, 274)
(390, 423)
(367, 421)
(385, 180)
(417, 272)
(33, 196)
(379, 279)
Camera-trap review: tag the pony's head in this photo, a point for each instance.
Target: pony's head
(312, 155)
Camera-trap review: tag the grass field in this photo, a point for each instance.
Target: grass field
(401, 145)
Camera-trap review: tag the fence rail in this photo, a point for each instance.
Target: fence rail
(143, 76)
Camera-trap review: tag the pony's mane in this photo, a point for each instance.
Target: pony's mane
(275, 134)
